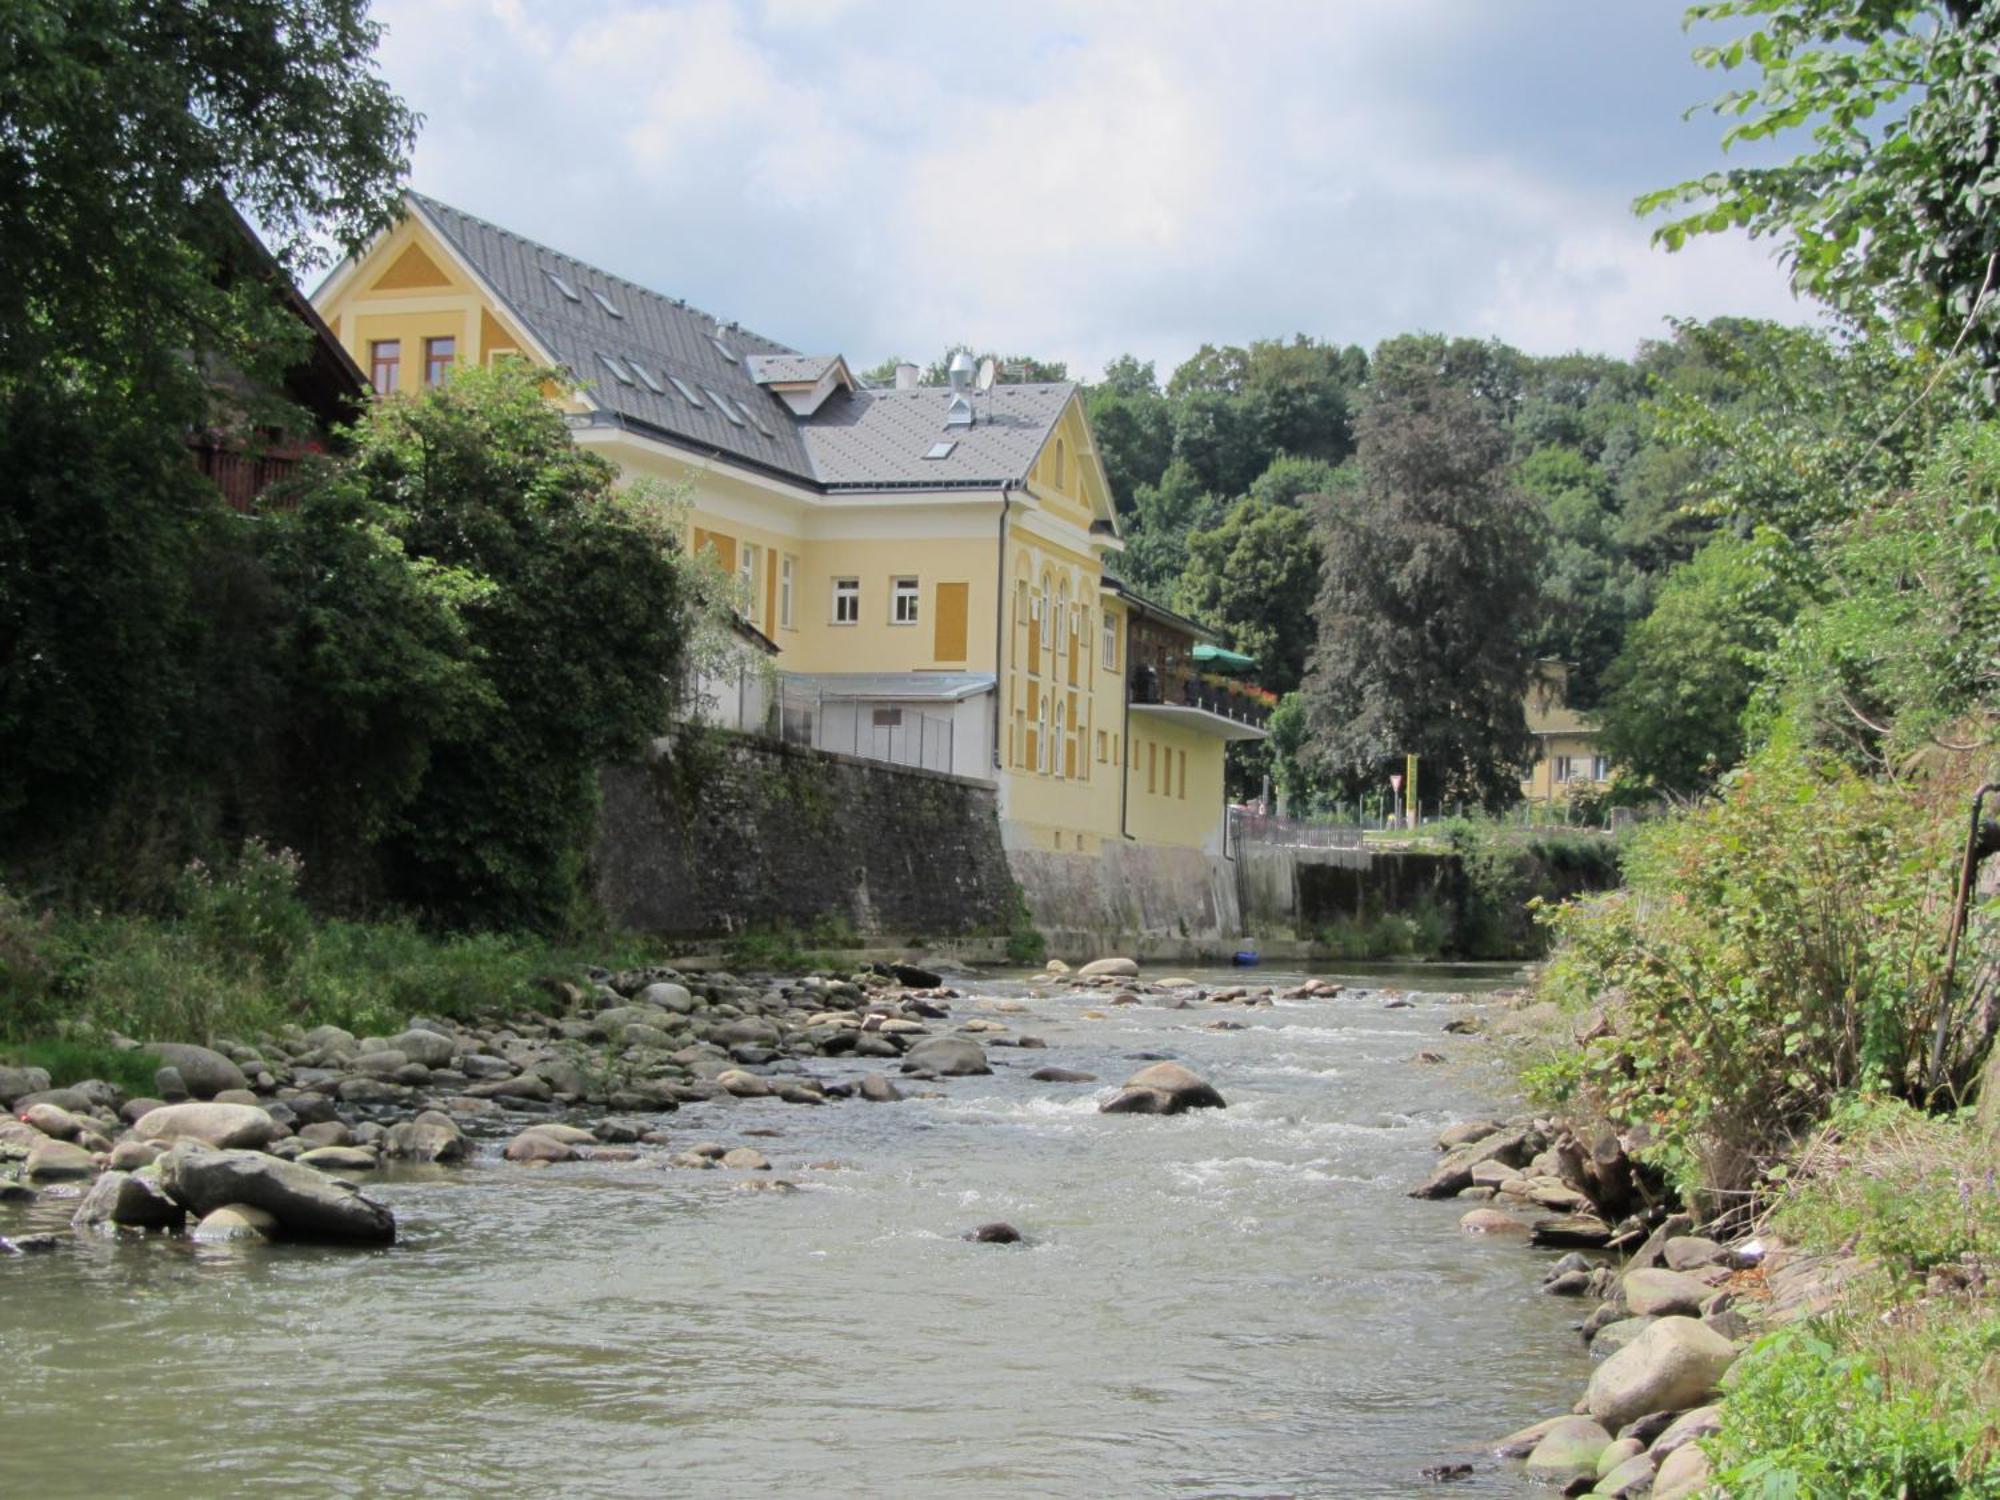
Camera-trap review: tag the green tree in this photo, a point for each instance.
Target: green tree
(1672, 714)
(1253, 578)
(575, 607)
(1427, 613)
(1134, 428)
(1886, 214)
(125, 126)
(1292, 481)
(1163, 515)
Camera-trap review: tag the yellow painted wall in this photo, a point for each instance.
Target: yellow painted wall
(1174, 780)
(1541, 785)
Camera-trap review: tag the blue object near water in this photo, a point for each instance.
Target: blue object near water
(1248, 960)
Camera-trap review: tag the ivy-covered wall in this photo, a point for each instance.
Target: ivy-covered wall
(720, 833)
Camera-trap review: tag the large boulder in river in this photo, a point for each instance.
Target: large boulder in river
(228, 1127)
(1675, 1364)
(134, 1202)
(1165, 1088)
(306, 1204)
(948, 1056)
(431, 1136)
(205, 1071)
(1568, 1450)
(1655, 1293)
(1109, 968)
(1453, 1173)
(427, 1047)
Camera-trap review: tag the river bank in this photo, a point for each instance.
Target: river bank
(1240, 1299)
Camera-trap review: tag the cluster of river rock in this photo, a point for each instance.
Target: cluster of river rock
(266, 1138)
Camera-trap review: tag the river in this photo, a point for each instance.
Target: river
(1236, 1302)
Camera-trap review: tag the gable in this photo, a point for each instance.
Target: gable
(1068, 476)
(412, 271)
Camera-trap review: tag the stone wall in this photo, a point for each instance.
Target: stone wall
(1144, 900)
(718, 833)
(1293, 893)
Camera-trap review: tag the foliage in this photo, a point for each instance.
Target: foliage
(218, 968)
(1429, 600)
(1897, 1187)
(1907, 1416)
(1674, 698)
(571, 607)
(1886, 215)
(1772, 952)
(1901, 649)
(126, 127)
(71, 1060)
(1253, 578)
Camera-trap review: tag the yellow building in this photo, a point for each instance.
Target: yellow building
(928, 561)
(1567, 757)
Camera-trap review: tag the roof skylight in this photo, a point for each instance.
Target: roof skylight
(646, 378)
(605, 303)
(686, 390)
(942, 450)
(722, 404)
(562, 286)
(624, 375)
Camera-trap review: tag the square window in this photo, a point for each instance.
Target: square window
(846, 601)
(903, 601)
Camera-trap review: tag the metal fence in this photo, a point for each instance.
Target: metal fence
(894, 733)
(1298, 833)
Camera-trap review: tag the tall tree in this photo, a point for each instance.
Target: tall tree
(1887, 212)
(1253, 578)
(1427, 612)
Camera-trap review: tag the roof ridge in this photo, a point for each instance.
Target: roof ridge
(679, 303)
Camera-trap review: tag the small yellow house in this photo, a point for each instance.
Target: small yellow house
(1567, 757)
(928, 562)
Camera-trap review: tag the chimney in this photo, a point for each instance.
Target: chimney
(906, 376)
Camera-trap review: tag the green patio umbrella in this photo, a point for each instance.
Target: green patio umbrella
(1222, 659)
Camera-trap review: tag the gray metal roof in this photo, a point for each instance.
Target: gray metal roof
(866, 439)
(858, 439)
(665, 337)
(908, 687)
(767, 369)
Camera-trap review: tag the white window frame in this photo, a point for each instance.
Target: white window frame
(788, 572)
(847, 591)
(749, 563)
(1062, 734)
(1107, 653)
(905, 600)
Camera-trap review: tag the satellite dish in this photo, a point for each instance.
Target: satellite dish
(987, 370)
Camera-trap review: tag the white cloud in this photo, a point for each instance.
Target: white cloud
(1075, 181)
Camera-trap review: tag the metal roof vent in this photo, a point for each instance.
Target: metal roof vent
(959, 412)
(960, 372)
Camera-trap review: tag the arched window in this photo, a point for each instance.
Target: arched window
(1062, 725)
(1042, 736)
(1062, 463)
(1062, 617)
(1048, 625)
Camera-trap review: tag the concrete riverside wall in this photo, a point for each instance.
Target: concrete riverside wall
(1139, 900)
(716, 833)
(1293, 892)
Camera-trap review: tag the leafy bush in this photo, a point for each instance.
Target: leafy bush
(1909, 1416)
(1772, 951)
(250, 911)
(1507, 873)
(69, 1061)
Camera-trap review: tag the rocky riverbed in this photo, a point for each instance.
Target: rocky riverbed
(1240, 1295)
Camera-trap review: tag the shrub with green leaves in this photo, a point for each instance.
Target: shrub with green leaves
(1908, 1416)
(1771, 951)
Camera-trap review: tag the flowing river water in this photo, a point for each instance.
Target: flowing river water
(1235, 1302)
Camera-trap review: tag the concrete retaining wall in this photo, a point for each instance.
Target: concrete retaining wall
(718, 833)
(1290, 893)
(1142, 900)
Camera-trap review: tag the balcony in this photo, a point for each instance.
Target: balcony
(1214, 704)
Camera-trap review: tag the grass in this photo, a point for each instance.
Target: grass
(1897, 1392)
(1422, 932)
(241, 955)
(67, 1062)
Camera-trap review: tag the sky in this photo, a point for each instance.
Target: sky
(1078, 181)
